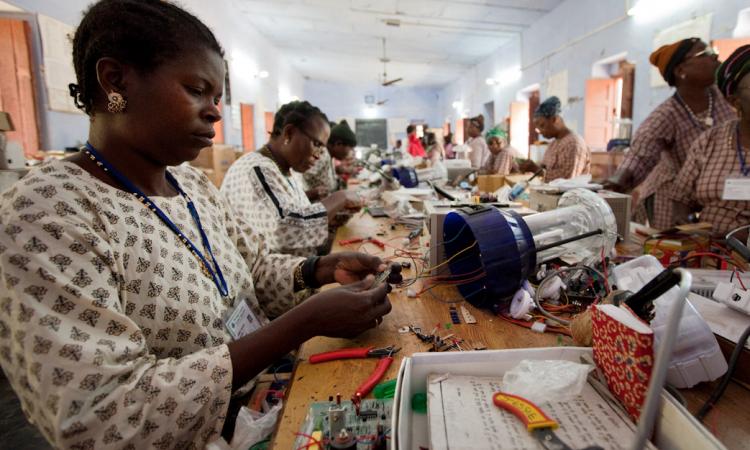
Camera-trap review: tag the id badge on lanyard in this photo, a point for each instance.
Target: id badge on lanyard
(736, 187)
(241, 320)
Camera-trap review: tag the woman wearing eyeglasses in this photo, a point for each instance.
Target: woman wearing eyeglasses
(716, 174)
(261, 188)
(660, 146)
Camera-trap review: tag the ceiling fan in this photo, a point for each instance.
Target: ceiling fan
(385, 81)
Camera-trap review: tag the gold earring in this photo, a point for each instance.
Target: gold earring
(116, 103)
(286, 142)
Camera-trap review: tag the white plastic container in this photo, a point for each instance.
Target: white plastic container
(697, 356)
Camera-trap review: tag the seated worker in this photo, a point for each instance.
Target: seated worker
(568, 155)
(502, 156)
(262, 189)
(435, 152)
(479, 151)
(322, 178)
(661, 143)
(415, 149)
(120, 264)
(448, 146)
(719, 157)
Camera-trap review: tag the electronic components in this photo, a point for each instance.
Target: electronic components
(499, 249)
(346, 426)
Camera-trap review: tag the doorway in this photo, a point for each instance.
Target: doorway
(608, 102)
(489, 115)
(17, 95)
(247, 118)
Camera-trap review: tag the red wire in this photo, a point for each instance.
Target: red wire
(737, 273)
(314, 441)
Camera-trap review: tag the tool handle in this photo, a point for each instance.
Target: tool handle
(525, 410)
(378, 243)
(351, 241)
(346, 353)
(374, 378)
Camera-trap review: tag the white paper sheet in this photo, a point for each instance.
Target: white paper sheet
(462, 416)
(57, 53)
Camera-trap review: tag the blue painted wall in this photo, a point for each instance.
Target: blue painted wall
(347, 100)
(247, 51)
(573, 37)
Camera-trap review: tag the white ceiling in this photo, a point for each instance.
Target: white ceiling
(436, 40)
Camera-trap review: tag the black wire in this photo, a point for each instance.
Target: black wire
(719, 391)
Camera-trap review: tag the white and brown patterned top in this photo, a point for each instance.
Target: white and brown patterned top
(660, 147)
(700, 183)
(321, 174)
(275, 205)
(501, 163)
(110, 333)
(479, 151)
(566, 157)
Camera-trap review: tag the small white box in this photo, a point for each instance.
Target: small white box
(676, 428)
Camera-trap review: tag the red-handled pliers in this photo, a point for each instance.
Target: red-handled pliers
(367, 239)
(386, 359)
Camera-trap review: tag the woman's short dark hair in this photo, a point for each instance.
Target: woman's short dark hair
(140, 33)
(297, 113)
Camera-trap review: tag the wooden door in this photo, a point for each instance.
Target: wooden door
(599, 111)
(247, 115)
(16, 84)
(269, 122)
(219, 127)
(727, 46)
(519, 127)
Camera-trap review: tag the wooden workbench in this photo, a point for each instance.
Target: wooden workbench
(311, 383)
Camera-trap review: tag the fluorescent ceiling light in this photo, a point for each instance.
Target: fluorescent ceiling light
(262, 74)
(651, 9)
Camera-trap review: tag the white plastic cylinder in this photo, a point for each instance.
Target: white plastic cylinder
(579, 211)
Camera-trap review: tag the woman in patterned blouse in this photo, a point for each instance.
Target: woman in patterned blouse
(720, 154)
(502, 156)
(568, 155)
(114, 328)
(660, 145)
(263, 190)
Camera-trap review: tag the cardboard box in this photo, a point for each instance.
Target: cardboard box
(543, 201)
(675, 429)
(511, 180)
(219, 157)
(215, 161)
(490, 183)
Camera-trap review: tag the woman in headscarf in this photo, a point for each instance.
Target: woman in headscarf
(479, 151)
(659, 147)
(501, 160)
(717, 164)
(568, 155)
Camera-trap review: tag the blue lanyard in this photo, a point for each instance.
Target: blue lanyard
(741, 155)
(215, 272)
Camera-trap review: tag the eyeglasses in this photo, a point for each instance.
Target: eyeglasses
(318, 147)
(708, 51)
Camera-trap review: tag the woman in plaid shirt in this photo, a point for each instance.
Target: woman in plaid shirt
(719, 154)
(660, 146)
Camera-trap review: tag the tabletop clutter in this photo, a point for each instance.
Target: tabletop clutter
(627, 324)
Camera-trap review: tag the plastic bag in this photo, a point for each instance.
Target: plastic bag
(251, 428)
(543, 381)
